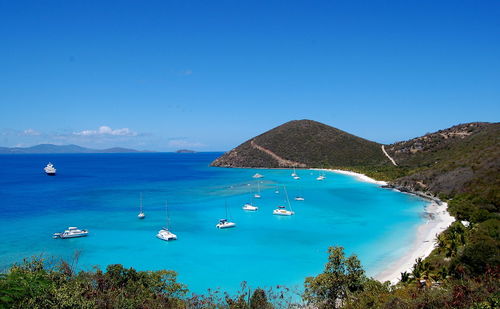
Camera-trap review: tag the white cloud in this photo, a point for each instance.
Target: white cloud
(187, 72)
(31, 132)
(105, 130)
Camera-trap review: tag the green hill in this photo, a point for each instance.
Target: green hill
(304, 143)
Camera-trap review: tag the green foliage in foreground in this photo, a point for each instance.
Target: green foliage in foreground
(343, 284)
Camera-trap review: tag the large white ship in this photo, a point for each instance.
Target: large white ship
(50, 169)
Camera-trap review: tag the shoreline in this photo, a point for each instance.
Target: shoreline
(359, 176)
(438, 219)
(425, 242)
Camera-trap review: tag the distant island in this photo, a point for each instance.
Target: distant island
(50, 148)
(185, 151)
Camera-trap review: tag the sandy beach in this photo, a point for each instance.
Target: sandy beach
(438, 220)
(360, 177)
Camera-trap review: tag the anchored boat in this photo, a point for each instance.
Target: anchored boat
(50, 169)
(71, 232)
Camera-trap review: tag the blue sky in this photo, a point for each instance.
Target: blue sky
(207, 75)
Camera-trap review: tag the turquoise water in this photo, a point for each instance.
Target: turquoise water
(100, 192)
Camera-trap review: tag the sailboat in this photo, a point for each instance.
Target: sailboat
(225, 223)
(321, 175)
(250, 207)
(299, 197)
(281, 210)
(277, 191)
(257, 195)
(294, 173)
(141, 214)
(164, 233)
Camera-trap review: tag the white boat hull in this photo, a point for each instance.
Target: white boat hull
(225, 225)
(71, 233)
(282, 212)
(166, 235)
(250, 207)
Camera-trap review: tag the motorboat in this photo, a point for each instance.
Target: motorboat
(50, 169)
(299, 198)
(282, 211)
(71, 232)
(296, 177)
(320, 177)
(257, 175)
(224, 224)
(165, 234)
(250, 207)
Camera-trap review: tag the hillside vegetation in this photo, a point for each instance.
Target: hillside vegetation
(307, 143)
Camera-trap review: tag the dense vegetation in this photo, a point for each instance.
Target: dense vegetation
(342, 284)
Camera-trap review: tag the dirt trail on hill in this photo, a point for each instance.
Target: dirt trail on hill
(281, 162)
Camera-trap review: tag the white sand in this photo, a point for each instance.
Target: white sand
(360, 177)
(426, 240)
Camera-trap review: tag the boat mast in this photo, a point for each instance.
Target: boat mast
(287, 199)
(168, 217)
(140, 202)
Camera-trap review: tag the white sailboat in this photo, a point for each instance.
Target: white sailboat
(281, 210)
(299, 197)
(294, 173)
(225, 223)
(321, 176)
(141, 214)
(250, 206)
(164, 233)
(257, 195)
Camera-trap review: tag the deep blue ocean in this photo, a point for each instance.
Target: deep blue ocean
(100, 192)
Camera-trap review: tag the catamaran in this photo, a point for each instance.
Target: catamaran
(164, 233)
(281, 210)
(141, 214)
(224, 223)
(71, 232)
(50, 169)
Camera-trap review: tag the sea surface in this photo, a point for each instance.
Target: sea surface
(101, 193)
